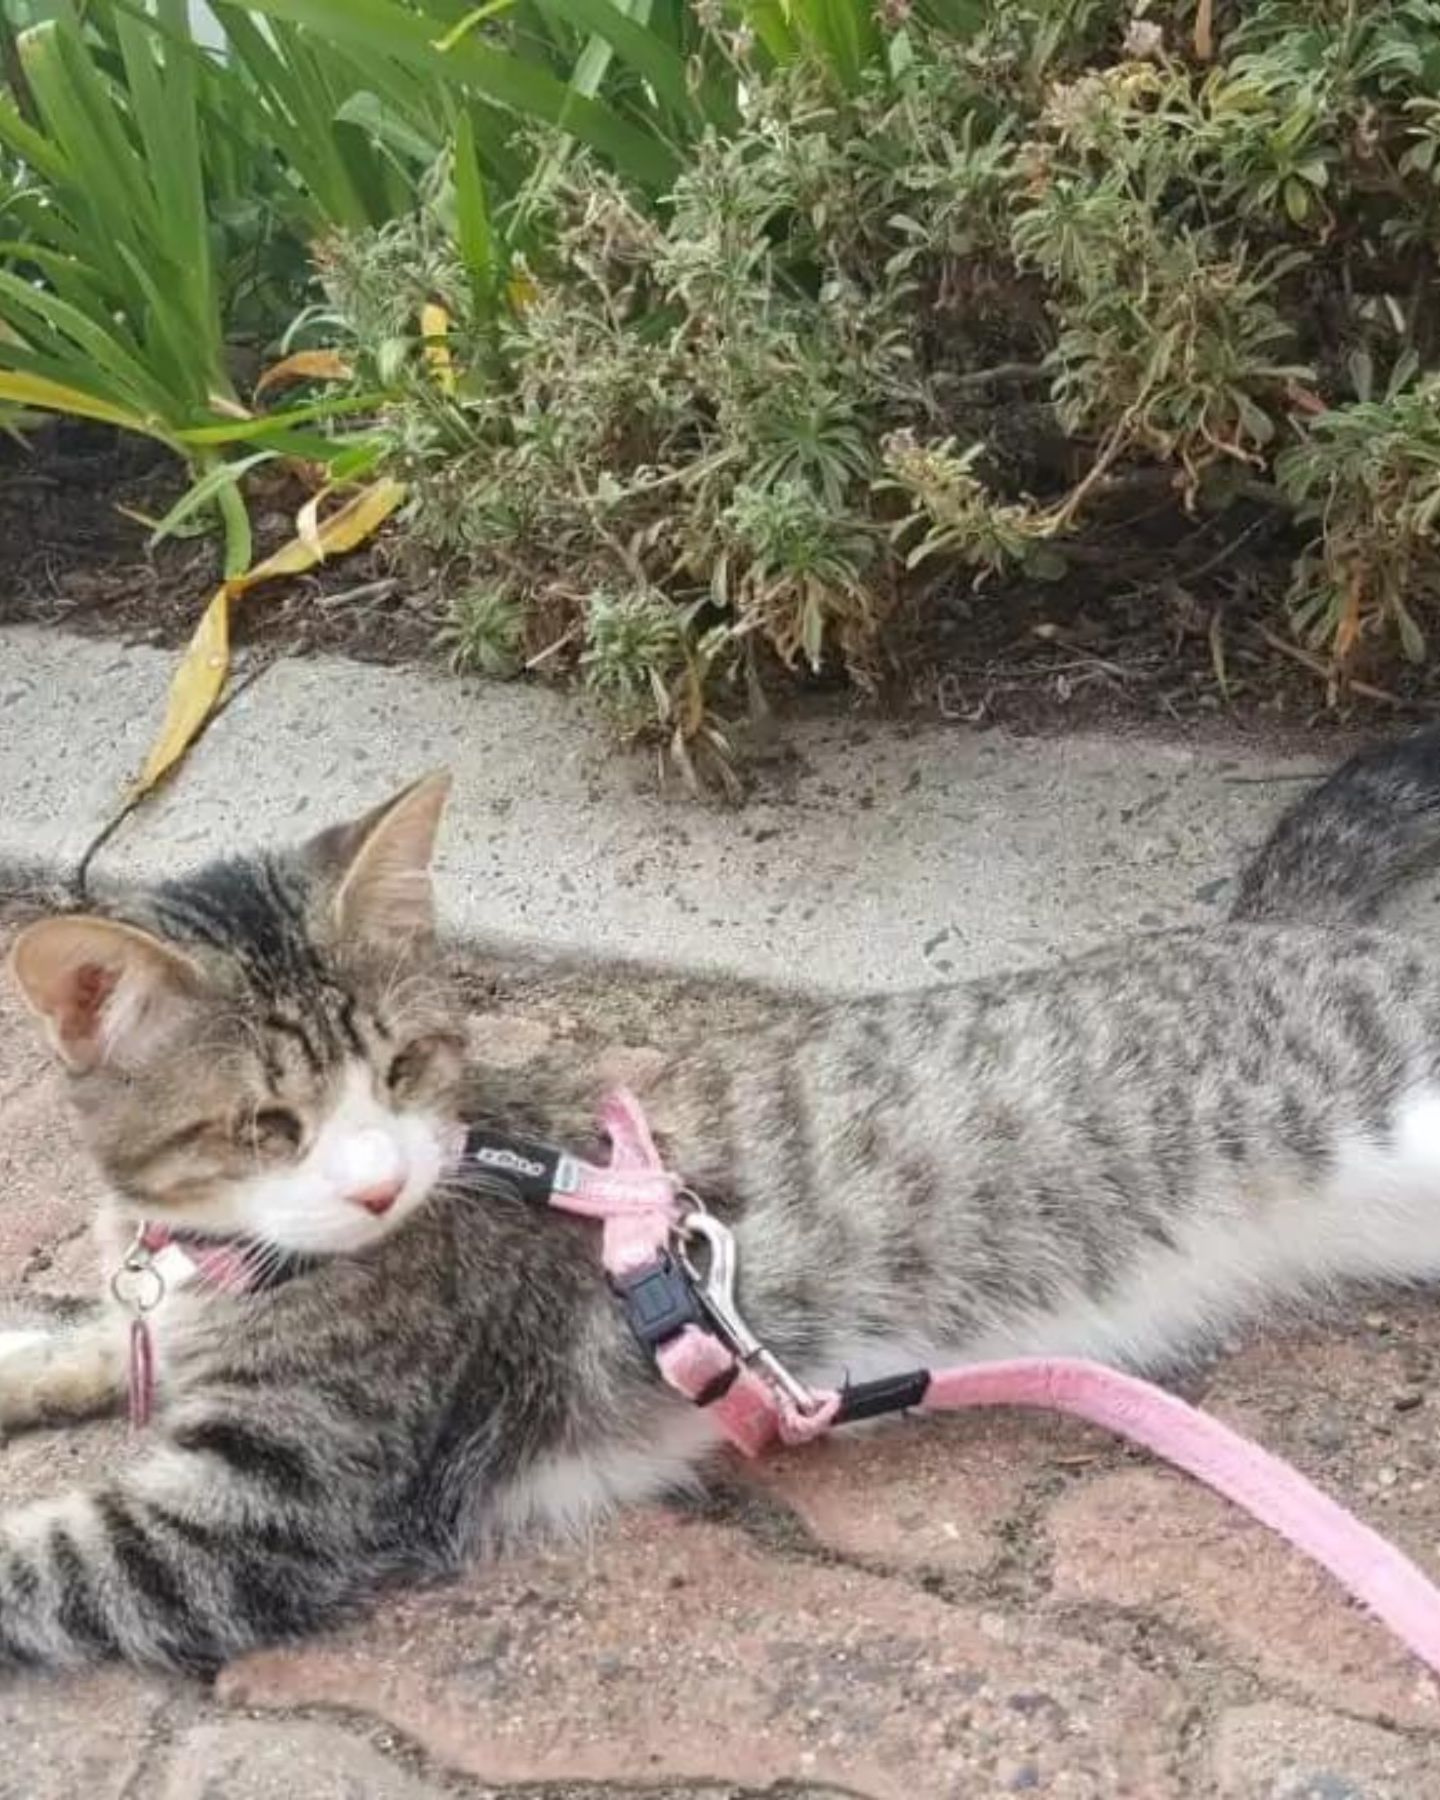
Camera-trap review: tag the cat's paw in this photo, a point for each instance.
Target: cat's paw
(20, 1360)
(75, 1373)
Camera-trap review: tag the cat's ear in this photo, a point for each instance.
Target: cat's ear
(104, 991)
(381, 865)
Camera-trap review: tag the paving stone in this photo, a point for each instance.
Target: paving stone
(23, 1058)
(36, 1464)
(47, 1188)
(77, 1738)
(508, 1042)
(76, 715)
(241, 1760)
(1275, 1752)
(1148, 1539)
(1356, 1410)
(924, 1493)
(672, 1650)
(66, 1269)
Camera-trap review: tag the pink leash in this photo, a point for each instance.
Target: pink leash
(707, 1354)
(1362, 1561)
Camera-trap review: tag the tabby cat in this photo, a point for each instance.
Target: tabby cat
(1116, 1158)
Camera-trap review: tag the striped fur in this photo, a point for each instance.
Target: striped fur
(1118, 1157)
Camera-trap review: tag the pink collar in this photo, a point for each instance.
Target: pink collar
(159, 1259)
(703, 1349)
(231, 1265)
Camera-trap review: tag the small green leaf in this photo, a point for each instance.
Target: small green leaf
(206, 489)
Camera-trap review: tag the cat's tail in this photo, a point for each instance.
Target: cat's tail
(1341, 851)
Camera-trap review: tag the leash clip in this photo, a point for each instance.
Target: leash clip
(716, 1287)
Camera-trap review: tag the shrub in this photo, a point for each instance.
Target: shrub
(779, 400)
(684, 412)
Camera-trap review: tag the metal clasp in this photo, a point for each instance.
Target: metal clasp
(715, 1284)
(137, 1284)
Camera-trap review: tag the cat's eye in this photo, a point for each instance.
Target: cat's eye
(410, 1064)
(276, 1128)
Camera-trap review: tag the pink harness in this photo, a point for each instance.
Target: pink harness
(708, 1355)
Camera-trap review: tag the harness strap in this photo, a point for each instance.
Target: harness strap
(636, 1233)
(750, 1411)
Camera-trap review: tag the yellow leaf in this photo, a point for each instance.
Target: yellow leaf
(201, 676)
(521, 291)
(54, 396)
(1347, 627)
(435, 329)
(228, 409)
(193, 691)
(307, 523)
(305, 365)
(359, 518)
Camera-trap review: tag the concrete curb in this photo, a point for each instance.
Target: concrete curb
(872, 856)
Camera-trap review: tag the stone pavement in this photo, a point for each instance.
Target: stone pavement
(986, 1606)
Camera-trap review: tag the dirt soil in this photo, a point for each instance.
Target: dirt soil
(75, 552)
(1162, 621)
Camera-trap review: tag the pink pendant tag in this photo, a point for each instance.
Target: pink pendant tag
(142, 1374)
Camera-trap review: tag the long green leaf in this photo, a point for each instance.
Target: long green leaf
(97, 348)
(31, 146)
(472, 221)
(242, 431)
(290, 114)
(505, 79)
(54, 396)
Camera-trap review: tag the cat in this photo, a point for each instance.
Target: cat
(1119, 1157)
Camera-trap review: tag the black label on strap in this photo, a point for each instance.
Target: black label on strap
(527, 1167)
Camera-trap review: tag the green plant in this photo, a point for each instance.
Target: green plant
(684, 411)
(953, 514)
(634, 650)
(486, 633)
(111, 280)
(1225, 254)
(167, 194)
(1367, 477)
(805, 571)
(529, 62)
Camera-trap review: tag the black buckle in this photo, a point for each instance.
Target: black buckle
(659, 1301)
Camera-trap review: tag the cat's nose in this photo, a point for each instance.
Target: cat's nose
(369, 1170)
(379, 1197)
